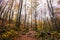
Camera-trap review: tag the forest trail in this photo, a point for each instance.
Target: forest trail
(28, 36)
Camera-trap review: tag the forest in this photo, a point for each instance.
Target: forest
(29, 20)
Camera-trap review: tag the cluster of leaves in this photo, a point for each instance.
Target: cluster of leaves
(7, 33)
(53, 35)
(46, 32)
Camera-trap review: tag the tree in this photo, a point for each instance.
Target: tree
(19, 13)
(52, 16)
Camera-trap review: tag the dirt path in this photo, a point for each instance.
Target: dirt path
(28, 36)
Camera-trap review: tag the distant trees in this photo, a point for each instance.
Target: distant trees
(0, 4)
(51, 12)
(19, 13)
(1, 1)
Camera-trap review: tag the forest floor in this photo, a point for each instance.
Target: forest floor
(28, 36)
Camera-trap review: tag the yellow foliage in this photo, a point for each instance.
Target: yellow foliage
(39, 27)
(9, 33)
(5, 35)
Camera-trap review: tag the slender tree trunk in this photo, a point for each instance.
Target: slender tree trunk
(25, 15)
(53, 19)
(19, 13)
(2, 10)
